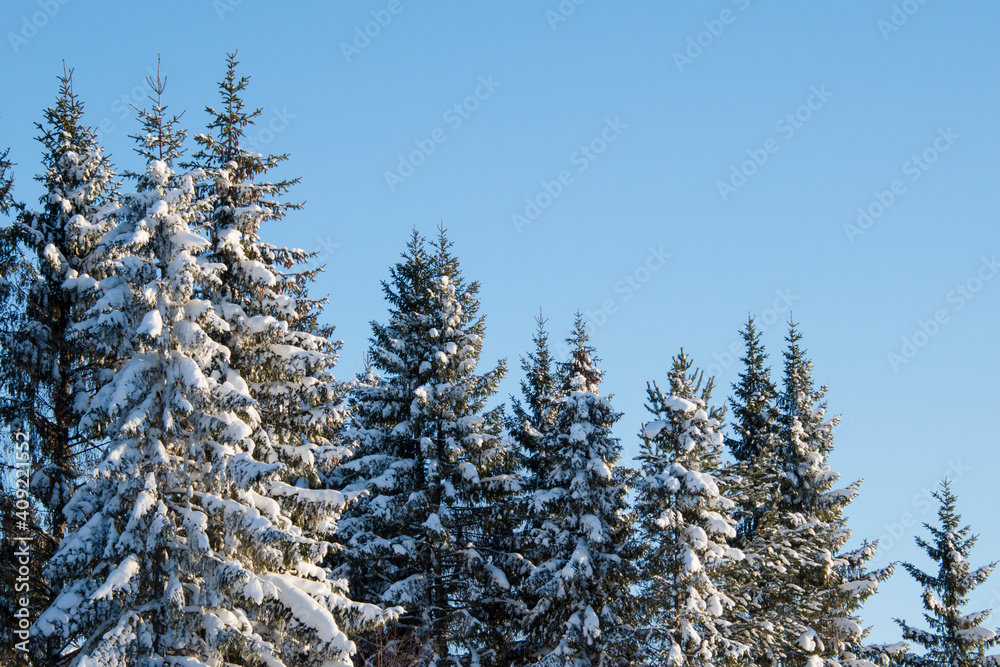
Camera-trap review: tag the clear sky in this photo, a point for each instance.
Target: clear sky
(667, 168)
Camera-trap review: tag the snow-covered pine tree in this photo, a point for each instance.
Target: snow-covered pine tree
(686, 524)
(955, 638)
(47, 370)
(178, 552)
(829, 585)
(532, 417)
(435, 471)
(277, 343)
(580, 609)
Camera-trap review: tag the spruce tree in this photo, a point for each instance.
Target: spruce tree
(686, 524)
(49, 369)
(580, 609)
(184, 546)
(755, 425)
(433, 469)
(274, 333)
(752, 482)
(535, 416)
(532, 417)
(829, 584)
(955, 638)
(801, 590)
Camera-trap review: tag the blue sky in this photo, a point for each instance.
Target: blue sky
(690, 163)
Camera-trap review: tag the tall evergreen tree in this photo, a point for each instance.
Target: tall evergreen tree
(532, 418)
(754, 413)
(48, 369)
(955, 638)
(431, 463)
(184, 546)
(829, 585)
(686, 524)
(580, 610)
(752, 483)
(278, 344)
(755, 426)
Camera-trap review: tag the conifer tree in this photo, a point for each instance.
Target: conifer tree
(801, 591)
(277, 342)
(183, 545)
(955, 638)
(580, 610)
(534, 417)
(829, 585)
(686, 524)
(752, 484)
(48, 370)
(755, 427)
(433, 468)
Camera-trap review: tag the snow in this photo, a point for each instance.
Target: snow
(678, 404)
(151, 325)
(308, 611)
(118, 579)
(592, 528)
(258, 272)
(976, 635)
(652, 429)
(498, 577)
(433, 523)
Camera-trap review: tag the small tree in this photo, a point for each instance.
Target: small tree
(955, 638)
